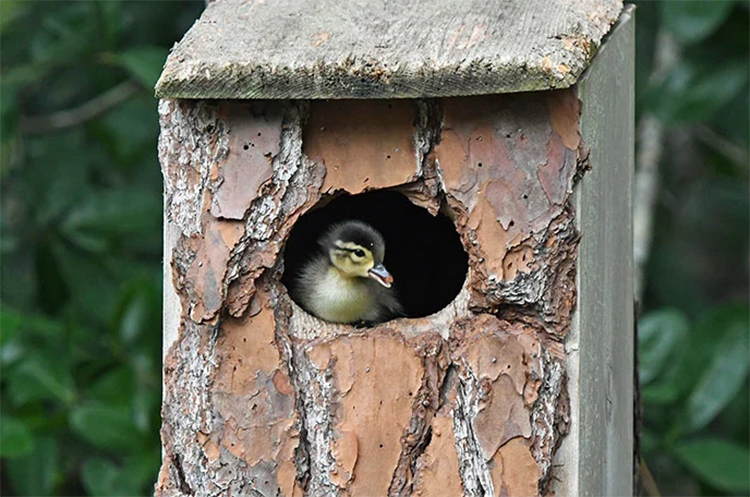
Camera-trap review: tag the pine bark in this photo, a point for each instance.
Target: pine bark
(263, 399)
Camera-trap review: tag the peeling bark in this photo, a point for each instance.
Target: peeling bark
(263, 399)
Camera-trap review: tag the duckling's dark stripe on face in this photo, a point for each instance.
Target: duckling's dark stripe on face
(349, 246)
(356, 233)
(363, 238)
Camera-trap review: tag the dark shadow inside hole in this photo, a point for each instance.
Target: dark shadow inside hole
(423, 253)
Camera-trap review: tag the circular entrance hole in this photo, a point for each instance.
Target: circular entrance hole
(423, 252)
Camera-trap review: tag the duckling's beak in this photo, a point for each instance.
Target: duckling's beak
(380, 274)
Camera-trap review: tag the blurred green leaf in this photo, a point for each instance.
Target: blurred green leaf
(106, 427)
(144, 63)
(703, 342)
(649, 441)
(103, 478)
(90, 282)
(34, 474)
(41, 376)
(115, 214)
(8, 113)
(720, 463)
(140, 466)
(660, 333)
(15, 438)
(696, 90)
(691, 21)
(114, 388)
(134, 318)
(10, 322)
(10, 10)
(724, 376)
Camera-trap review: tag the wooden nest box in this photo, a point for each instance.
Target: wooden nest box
(491, 144)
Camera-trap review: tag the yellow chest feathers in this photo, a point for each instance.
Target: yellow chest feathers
(340, 299)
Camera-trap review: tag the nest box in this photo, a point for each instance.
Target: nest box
(491, 144)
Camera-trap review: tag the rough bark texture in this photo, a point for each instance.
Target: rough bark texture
(385, 49)
(263, 399)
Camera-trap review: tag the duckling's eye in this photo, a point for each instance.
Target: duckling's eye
(359, 253)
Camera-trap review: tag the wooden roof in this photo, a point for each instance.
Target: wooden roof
(249, 49)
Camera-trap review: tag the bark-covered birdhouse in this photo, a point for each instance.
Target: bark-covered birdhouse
(488, 147)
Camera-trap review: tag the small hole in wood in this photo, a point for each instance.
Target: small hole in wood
(512, 223)
(388, 157)
(381, 446)
(246, 147)
(479, 164)
(525, 196)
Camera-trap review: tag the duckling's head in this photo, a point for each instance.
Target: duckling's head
(356, 250)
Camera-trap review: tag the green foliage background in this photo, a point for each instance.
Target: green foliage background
(693, 334)
(80, 325)
(81, 245)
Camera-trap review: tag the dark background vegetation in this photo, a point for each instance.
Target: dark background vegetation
(81, 245)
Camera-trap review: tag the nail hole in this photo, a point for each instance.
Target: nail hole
(525, 196)
(479, 164)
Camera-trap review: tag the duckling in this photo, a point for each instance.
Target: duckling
(347, 282)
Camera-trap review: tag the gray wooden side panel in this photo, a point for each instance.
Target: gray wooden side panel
(384, 49)
(597, 455)
(172, 307)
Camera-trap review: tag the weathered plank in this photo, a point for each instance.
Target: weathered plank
(596, 458)
(384, 49)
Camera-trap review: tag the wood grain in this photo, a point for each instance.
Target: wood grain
(384, 49)
(596, 458)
